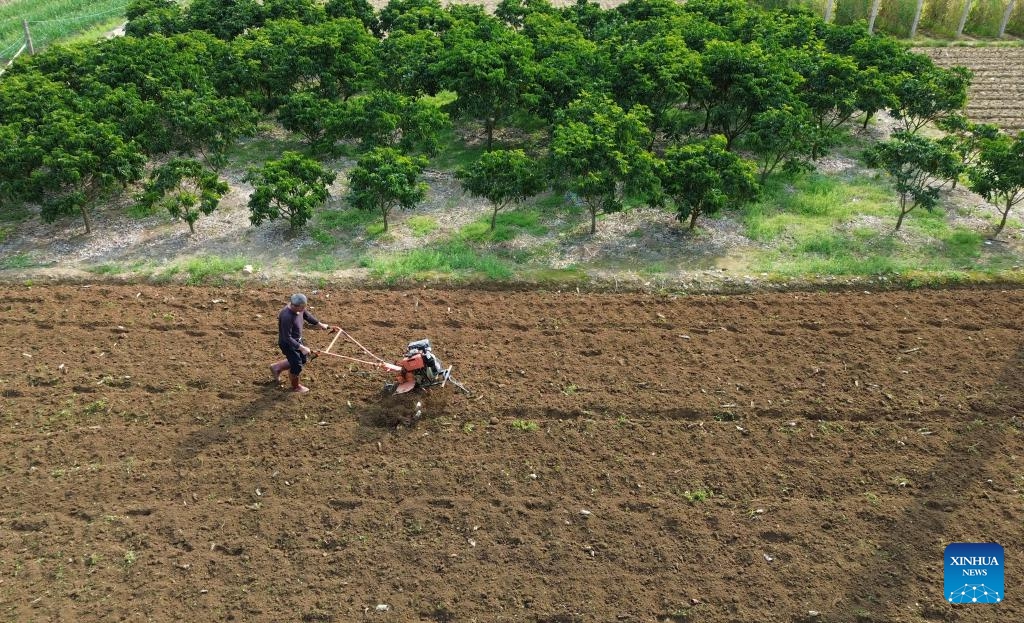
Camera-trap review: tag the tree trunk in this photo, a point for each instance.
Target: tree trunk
(904, 211)
(867, 118)
(829, 6)
(874, 14)
(917, 18)
(85, 217)
(963, 18)
(494, 218)
(1006, 18)
(694, 213)
(1002, 222)
(489, 124)
(593, 221)
(191, 227)
(384, 211)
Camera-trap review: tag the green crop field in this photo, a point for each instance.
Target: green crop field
(52, 20)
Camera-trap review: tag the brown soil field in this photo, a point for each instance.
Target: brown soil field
(996, 94)
(622, 457)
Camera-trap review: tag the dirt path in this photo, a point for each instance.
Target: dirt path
(748, 458)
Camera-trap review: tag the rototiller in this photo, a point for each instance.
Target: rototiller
(418, 369)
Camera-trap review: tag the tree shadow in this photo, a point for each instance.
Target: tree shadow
(910, 556)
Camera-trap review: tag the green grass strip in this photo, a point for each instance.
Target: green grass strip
(51, 21)
(451, 260)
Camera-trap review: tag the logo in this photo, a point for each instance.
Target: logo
(974, 573)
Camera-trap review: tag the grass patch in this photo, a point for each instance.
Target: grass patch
(809, 224)
(261, 148)
(323, 263)
(507, 226)
(207, 268)
(115, 268)
(450, 259)
(345, 220)
(327, 223)
(454, 153)
(421, 225)
(16, 261)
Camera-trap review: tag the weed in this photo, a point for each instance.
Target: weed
(570, 389)
(527, 426)
(420, 225)
(697, 495)
(872, 498)
(17, 261)
(95, 407)
(205, 268)
(92, 559)
(454, 259)
(831, 428)
(468, 427)
(130, 557)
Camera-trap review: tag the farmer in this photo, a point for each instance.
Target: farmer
(289, 337)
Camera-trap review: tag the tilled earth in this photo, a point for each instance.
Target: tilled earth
(622, 457)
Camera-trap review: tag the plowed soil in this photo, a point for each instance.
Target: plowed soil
(622, 457)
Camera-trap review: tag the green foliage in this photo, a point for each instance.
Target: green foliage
(75, 162)
(186, 188)
(998, 174)
(503, 177)
(302, 11)
(919, 167)
(702, 178)
(291, 187)
(311, 114)
(337, 57)
(930, 95)
(567, 63)
(361, 10)
(782, 136)
(414, 15)
(941, 17)
(599, 149)
(490, 67)
(742, 80)
(147, 17)
(895, 17)
(660, 73)
(452, 259)
(389, 119)
(830, 88)
(384, 179)
(1016, 23)
(224, 20)
(985, 17)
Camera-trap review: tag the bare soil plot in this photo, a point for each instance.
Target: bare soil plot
(705, 458)
(996, 94)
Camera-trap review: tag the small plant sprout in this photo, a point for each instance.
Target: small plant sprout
(527, 426)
